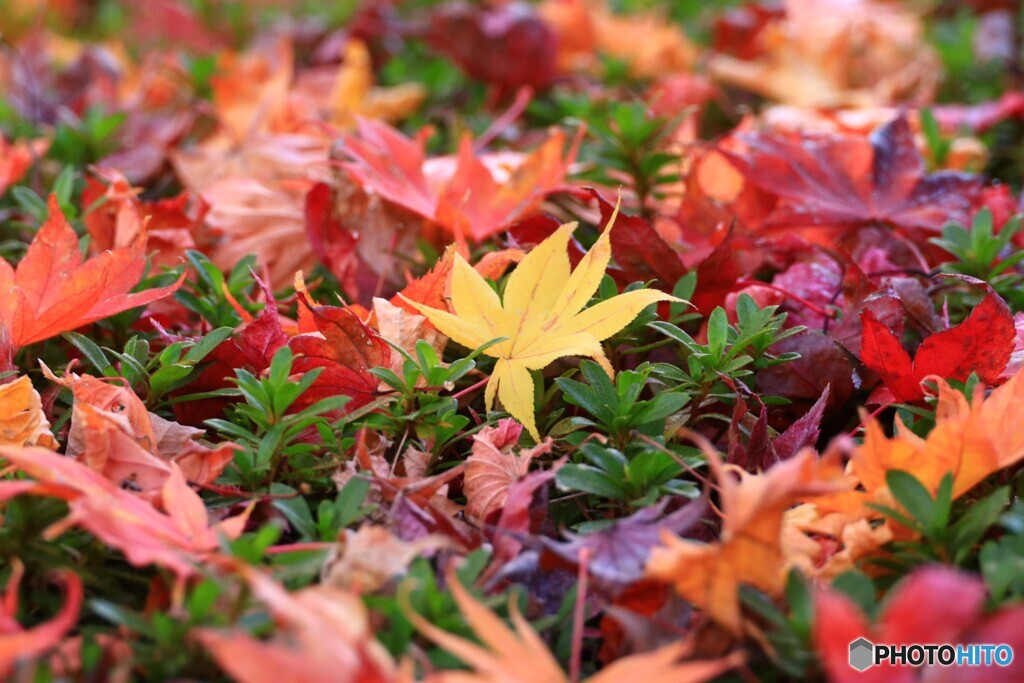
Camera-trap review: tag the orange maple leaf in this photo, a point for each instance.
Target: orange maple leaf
(829, 53)
(518, 655)
(323, 635)
(749, 550)
(15, 160)
(174, 538)
(54, 290)
(113, 433)
(971, 440)
(22, 421)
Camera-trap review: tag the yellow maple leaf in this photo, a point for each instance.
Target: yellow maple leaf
(354, 93)
(542, 317)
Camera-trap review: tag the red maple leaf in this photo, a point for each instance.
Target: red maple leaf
(847, 181)
(53, 290)
(346, 349)
(470, 196)
(508, 45)
(981, 344)
(911, 614)
(641, 253)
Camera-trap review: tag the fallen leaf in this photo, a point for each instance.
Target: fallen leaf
(110, 448)
(518, 655)
(372, 557)
(541, 317)
(471, 197)
(404, 330)
(824, 544)
(493, 467)
(346, 349)
(981, 344)
(330, 215)
(322, 635)
(53, 290)
(508, 45)
(851, 181)
(174, 539)
(618, 553)
(112, 396)
(252, 217)
(640, 252)
(970, 440)
(749, 550)
(171, 226)
(19, 644)
(16, 158)
(833, 53)
(22, 421)
(648, 43)
(911, 614)
(354, 94)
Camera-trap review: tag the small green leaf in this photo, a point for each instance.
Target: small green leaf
(912, 495)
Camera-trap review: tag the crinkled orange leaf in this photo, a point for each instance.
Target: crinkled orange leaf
(111, 448)
(22, 421)
(112, 396)
(53, 290)
(113, 433)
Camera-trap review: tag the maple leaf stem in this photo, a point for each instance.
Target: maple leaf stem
(865, 420)
(471, 388)
(579, 616)
(523, 97)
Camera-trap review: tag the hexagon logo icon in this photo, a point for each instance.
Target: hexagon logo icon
(862, 654)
